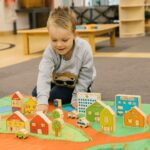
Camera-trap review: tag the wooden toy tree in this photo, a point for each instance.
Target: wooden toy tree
(56, 126)
(57, 113)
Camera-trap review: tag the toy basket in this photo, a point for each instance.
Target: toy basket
(32, 3)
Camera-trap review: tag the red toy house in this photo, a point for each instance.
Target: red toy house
(40, 124)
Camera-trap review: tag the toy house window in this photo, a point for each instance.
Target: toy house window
(106, 119)
(120, 107)
(14, 102)
(42, 125)
(119, 102)
(130, 120)
(33, 124)
(137, 122)
(89, 113)
(129, 103)
(96, 113)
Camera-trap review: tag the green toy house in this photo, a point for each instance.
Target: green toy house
(93, 111)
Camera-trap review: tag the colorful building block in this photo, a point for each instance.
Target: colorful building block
(29, 107)
(94, 110)
(134, 118)
(17, 101)
(16, 122)
(85, 99)
(40, 124)
(124, 103)
(107, 120)
(58, 103)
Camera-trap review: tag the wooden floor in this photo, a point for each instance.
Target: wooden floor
(15, 55)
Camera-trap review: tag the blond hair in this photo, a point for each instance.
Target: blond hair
(63, 17)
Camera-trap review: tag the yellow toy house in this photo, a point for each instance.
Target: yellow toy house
(16, 122)
(107, 120)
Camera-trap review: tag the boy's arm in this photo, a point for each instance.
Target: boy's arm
(46, 68)
(86, 75)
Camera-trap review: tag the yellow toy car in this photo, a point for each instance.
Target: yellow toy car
(22, 134)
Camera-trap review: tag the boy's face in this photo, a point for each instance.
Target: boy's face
(61, 39)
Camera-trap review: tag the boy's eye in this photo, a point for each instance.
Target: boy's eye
(54, 40)
(65, 40)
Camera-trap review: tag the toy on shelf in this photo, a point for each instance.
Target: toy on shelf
(87, 27)
(83, 122)
(40, 124)
(73, 114)
(134, 118)
(17, 101)
(85, 99)
(22, 134)
(125, 102)
(16, 122)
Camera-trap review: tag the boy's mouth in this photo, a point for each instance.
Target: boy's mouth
(62, 49)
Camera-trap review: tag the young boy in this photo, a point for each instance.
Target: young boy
(67, 63)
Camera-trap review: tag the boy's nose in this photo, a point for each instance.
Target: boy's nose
(59, 44)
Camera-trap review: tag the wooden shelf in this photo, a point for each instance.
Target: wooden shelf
(127, 6)
(131, 18)
(131, 2)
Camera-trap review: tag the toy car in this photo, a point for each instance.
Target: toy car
(83, 122)
(22, 134)
(73, 114)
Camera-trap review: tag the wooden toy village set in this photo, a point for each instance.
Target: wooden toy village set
(23, 120)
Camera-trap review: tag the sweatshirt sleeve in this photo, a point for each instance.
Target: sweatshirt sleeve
(86, 74)
(46, 68)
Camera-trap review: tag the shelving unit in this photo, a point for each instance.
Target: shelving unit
(131, 18)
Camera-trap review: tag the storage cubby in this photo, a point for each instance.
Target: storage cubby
(131, 18)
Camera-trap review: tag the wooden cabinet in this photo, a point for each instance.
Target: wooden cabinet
(131, 18)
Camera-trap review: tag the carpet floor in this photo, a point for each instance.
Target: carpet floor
(114, 76)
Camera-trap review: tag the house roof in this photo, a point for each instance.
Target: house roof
(139, 110)
(43, 116)
(20, 115)
(110, 110)
(128, 96)
(17, 95)
(97, 103)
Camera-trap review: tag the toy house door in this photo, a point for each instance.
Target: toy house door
(39, 131)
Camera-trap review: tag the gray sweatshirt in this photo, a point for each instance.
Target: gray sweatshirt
(81, 65)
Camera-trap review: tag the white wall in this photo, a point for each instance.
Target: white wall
(6, 18)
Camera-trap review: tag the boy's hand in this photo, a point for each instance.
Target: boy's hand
(75, 105)
(42, 107)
